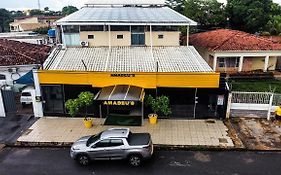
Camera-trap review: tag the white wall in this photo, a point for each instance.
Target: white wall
(10, 77)
(2, 109)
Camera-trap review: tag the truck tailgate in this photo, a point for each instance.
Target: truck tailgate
(139, 139)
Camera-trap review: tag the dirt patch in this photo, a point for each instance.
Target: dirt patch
(233, 134)
(258, 134)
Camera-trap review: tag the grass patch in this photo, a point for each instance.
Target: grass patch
(256, 85)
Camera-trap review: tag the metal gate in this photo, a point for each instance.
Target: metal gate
(9, 101)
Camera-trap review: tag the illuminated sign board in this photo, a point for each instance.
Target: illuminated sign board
(119, 103)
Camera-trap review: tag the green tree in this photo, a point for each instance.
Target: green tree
(42, 30)
(208, 13)
(249, 15)
(68, 10)
(16, 14)
(35, 12)
(274, 24)
(177, 5)
(5, 19)
(46, 9)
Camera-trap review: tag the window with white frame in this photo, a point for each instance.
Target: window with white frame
(232, 62)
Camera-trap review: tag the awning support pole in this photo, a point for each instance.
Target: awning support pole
(142, 111)
(109, 36)
(195, 104)
(100, 114)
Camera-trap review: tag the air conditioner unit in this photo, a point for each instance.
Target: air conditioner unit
(84, 43)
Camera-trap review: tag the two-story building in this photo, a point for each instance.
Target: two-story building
(121, 51)
(30, 23)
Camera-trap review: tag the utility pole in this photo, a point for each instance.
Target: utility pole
(39, 6)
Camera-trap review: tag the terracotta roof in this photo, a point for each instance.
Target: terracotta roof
(32, 26)
(39, 17)
(17, 53)
(275, 39)
(230, 40)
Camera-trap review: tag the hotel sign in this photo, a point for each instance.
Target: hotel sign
(123, 75)
(119, 103)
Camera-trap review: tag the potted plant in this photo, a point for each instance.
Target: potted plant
(159, 105)
(84, 100)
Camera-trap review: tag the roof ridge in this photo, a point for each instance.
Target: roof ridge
(230, 37)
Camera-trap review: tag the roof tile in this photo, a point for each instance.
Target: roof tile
(17, 53)
(229, 40)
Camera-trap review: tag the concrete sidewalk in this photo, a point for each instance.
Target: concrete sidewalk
(176, 133)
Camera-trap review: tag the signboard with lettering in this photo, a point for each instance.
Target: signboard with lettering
(119, 103)
(220, 100)
(123, 75)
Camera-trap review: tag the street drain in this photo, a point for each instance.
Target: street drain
(223, 140)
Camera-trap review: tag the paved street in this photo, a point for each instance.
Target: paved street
(56, 161)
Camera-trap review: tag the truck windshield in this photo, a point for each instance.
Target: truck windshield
(25, 94)
(93, 139)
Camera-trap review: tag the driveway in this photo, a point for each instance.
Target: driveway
(12, 126)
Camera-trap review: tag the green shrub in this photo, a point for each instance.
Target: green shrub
(159, 104)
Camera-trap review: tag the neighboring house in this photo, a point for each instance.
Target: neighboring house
(121, 51)
(17, 59)
(30, 23)
(235, 51)
(26, 37)
(276, 39)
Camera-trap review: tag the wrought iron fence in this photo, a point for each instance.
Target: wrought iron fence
(251, 97)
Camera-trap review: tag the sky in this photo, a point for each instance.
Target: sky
(52, 4)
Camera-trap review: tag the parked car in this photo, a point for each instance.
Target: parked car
(26, 95)
(113, 144)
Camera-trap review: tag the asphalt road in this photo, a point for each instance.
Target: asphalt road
(56, 161)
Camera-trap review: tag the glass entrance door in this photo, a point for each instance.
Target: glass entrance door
(53, 97)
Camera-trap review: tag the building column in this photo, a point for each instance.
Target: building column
(62, 36)
(215, 63)
(241, 61)
(187, 35)
(109, 36)
(266, 61)
(150, 33)
(37, 97)
(2, 109)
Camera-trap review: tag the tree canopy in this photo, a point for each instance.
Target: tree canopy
(208, 13)
(68, 10)
(5, 18)
(249, 15)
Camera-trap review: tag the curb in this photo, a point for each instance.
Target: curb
(156, 146)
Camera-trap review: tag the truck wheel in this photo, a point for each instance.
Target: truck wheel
(83, 160)
(135, 160)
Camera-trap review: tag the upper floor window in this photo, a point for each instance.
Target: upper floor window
(165, 28)
(119, 36)
(160, 36)
(120, 28)
(71, 29)
(91, 28)
(2, 77)
(91, 37)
